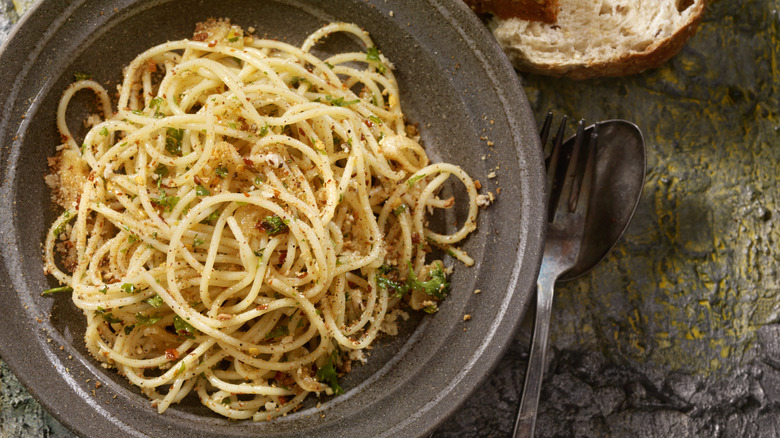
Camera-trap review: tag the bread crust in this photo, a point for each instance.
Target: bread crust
(630, 63)
(545, 11)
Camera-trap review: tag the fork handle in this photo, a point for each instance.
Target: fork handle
(526, 416)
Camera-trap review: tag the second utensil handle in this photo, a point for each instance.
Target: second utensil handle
(526, 416)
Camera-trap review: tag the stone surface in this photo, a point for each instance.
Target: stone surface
(676, 333)
(8, 18)
(20, 415)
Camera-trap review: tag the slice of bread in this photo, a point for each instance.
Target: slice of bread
(533, 10)
(600, 38)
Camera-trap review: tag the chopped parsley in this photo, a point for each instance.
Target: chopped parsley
(296, 81)
(165, 201)
(132, 238)
(129, 288)
(221, 171)
(328, 374)
(202, 191)
(278, 332)
(400, 209)
(183, 328)
(82, 76)
(264, 130)
(155, 301)
(373, 55)
(146, 319)
(111, 319)
(413, 180)
(173, 140)
(233, 36)
(397, 288)
(273, 225)
(61, 227)
(213, 216)
(436, 286)
(156, 103)
(103, 132)
(54, 290)
(340, 101)
(161, 171)
(433, 308)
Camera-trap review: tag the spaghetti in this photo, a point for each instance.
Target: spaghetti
(248, 218)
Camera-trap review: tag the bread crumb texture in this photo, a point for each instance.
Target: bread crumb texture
(600, 38)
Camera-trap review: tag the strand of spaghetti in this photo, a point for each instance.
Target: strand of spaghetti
(62, 108)
(139, 62)
(202, 323)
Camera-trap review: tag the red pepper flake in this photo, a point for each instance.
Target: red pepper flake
(171, 354)
(262, 307)
(415, 238)
(282, 256)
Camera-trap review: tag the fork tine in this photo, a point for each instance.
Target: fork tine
(584, 175)
(573, 179)
(544, 133)
(553, 189)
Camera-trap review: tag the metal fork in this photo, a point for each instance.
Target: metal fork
(569, 178)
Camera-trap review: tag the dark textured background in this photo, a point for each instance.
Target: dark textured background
(677, 332)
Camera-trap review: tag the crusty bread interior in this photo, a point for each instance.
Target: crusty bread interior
(600, 37)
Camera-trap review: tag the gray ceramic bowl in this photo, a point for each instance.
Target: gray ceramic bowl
(456, 84)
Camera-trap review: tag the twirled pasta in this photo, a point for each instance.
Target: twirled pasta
(247, 217)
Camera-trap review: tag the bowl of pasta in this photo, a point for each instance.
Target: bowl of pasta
(262, 218)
